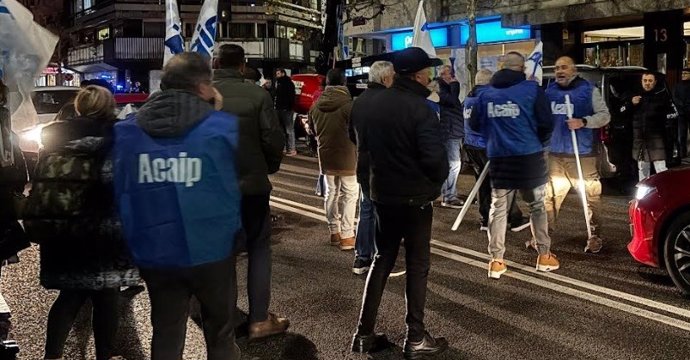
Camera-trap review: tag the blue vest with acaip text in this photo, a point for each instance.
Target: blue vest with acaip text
(178, 198)
(581, 106)
(508, 120)
(472, 138)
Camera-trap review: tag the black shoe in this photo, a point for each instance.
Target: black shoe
(519, 225)
(369, 343)
(453, 204)
(361, 266)
(428, 346)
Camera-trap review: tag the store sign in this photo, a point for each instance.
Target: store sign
(492, 31)
(439, 37)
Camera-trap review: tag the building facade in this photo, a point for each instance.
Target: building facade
(122, 40)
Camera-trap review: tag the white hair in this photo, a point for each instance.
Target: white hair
(380, 70)
(483, 76)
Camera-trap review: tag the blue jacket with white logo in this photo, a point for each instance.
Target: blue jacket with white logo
(580, 93)
(513, 115)
(473, 138)
(176, 183)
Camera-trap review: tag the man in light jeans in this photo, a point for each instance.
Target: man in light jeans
(337, 158)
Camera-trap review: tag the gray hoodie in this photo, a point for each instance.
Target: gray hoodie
(172, 113)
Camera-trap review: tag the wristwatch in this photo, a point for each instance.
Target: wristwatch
(584, 122)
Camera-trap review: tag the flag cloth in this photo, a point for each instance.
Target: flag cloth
(174, 44)
(204, 39)
(422, 36)
(25, 50)
(534, 66)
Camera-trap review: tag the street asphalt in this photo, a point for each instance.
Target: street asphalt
(601, 306)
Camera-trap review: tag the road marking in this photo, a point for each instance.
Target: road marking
(296, 186)
(297, 170)
(680, 324)
(531, 278)
(301, 194)
(297, 211)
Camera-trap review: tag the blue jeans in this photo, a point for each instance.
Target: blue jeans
(287, 120)
(364, 244)
(449, 189)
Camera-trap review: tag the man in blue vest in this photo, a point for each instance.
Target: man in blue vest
(589, 113)
(513, 115)
(475, 147)
(179, 200)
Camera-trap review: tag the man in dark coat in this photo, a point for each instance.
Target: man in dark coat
(514, 116)
(284, 101)
(453, 131)
(259, 153)
(681, 96)
(652, 110)
(408, 164)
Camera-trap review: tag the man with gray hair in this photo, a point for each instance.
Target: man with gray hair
(475, 147)
(381, 76)
(513, 115)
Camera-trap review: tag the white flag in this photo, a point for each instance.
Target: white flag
(422, 36)
(534, 65)
(204, 38)
(174, 43)
(25, 50)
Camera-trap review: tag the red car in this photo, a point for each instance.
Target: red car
(660, 224)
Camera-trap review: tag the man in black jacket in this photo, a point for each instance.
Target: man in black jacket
(408, 164)
(285, 100)
(681, 95)
(259, 149)
(381, 77)
(452, 129)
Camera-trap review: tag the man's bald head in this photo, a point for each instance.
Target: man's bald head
(514, 61)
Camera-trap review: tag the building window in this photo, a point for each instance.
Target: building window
(241, 30)
(261, 31)
(103, 34)
(286, 32)
(154, 29)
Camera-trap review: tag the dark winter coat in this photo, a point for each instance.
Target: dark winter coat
(408, 161)
(361, 107)
(261, 141)
(331, 118)
(681, 97)
(71, 211)
(452, 120)
(284, 93)
(650, 119)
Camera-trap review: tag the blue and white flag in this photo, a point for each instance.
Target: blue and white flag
(422, 36)
(204, 39)
(534, 65)
(25, 50)
(174, 44)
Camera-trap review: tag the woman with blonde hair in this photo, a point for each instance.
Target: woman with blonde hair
(71, 214)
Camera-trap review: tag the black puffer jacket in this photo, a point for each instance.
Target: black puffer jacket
(408, 162)
(650, 120)
(71, 211)
(452, 120)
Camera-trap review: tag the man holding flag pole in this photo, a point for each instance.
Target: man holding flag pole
(572, 157)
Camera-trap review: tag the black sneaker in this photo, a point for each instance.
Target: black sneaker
(429, 346)
(453, 204)
(361, 266)
(520, 225)
(369, 343)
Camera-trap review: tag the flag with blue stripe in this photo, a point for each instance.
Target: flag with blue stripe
(174, 43)
(204, 39)
(534, 65)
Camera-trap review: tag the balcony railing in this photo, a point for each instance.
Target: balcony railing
(138, 48)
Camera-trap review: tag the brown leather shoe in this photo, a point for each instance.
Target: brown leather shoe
(274, 325)
(335, 239)
(347, 243)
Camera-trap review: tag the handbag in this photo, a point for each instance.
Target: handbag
(604, 165)
(13, 239)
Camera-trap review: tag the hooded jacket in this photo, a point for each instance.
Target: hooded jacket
(261, 139)
(514, 116)
(331, 118)
(176, 183)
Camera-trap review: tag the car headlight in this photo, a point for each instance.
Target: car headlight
(33, 135)
(643, 191)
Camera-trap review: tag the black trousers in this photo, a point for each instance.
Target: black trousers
(214, 285)
(65, 310)
(478, 158)
(256, 221)
(394, 223)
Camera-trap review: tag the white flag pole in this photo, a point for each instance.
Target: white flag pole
(581, 182)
